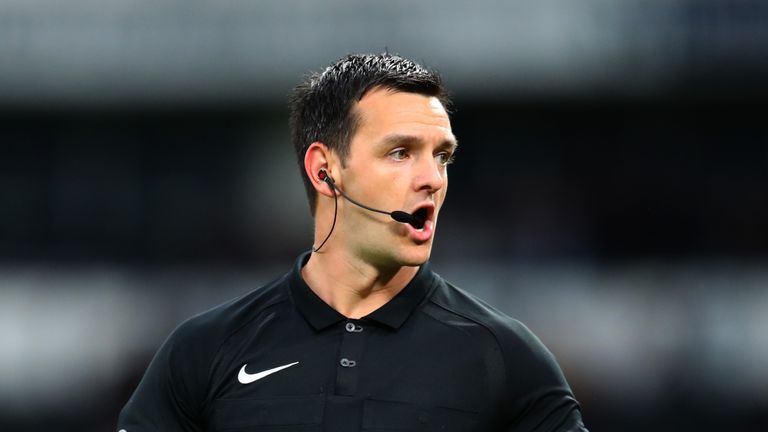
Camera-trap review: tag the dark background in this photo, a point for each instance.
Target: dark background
(609, 189)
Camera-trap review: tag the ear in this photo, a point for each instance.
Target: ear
(318, 157)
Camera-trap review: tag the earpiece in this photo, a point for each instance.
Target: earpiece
(322, 175)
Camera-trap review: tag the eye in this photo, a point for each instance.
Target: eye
(398, 154)
(445, 158)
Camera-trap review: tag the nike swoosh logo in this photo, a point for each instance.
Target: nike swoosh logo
(246, 378)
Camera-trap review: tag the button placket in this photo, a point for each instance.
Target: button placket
(350, 353)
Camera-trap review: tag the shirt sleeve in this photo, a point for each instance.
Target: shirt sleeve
(538, 394)
(166, 399)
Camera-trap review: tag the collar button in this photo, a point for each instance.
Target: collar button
(353, 328)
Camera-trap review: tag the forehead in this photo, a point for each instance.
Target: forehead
(382, 112)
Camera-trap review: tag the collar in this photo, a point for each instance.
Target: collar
(393, 314)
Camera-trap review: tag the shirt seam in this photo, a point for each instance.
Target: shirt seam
(490, 329)
(216, 353)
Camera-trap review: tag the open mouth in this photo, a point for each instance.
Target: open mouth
(420, 217)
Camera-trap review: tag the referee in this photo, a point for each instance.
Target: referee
(361, 334)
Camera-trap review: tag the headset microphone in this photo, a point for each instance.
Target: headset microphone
(398, 215)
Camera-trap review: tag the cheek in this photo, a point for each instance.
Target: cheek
(444, 190)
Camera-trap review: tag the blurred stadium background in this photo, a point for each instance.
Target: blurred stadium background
(610, 189)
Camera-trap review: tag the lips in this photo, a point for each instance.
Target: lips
(422, 213)
(422, 228)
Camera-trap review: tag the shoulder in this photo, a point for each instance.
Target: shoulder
(464, 305)
(174, 388)
(535, 390)
(515, 341)
(206, 332)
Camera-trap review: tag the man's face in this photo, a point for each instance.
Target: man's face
(397, 161)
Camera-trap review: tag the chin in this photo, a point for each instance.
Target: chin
(396, 254)
(415, 256)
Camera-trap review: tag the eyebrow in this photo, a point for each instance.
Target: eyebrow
(400, 139)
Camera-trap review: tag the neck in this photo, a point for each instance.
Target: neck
(352, 286)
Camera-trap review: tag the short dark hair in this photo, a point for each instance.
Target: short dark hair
(322, 105)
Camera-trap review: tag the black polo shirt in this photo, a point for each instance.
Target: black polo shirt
(434, 358)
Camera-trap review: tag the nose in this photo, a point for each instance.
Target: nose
(431, 175)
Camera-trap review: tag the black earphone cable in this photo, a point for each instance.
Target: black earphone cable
(335, 212)
(333, 185)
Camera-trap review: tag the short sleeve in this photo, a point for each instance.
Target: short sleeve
(539, 397)
(166, 398)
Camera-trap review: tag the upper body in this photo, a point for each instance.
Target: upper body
(280, 358)
(376, 128)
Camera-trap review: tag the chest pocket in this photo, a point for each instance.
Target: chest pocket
(385, 416)
(299, 414)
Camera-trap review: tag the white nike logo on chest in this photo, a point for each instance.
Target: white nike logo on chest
(246, 378)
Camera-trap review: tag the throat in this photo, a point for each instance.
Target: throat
(353, 290)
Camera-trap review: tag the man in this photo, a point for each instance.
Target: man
(361, 334)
